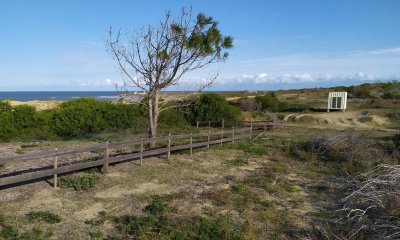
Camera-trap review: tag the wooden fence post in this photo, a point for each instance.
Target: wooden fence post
(141, 152)
(233, 135)
(191, 144)
(106, 157)
(223, 123)
(208, 140)
(209, 124)
(169, 146)
(251, 128)
(222, 136)
(197, 125)
(55, 167)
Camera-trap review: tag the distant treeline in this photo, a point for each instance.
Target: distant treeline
(389, 90)
(386, 90)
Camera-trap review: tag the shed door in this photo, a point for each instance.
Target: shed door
(336, 102)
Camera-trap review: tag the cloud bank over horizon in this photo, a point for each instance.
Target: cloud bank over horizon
(91, 69)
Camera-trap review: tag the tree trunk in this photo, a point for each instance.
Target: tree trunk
(153, 116)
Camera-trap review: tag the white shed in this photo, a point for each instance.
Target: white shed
(337, 101)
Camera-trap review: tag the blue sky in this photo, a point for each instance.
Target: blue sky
(60, 45)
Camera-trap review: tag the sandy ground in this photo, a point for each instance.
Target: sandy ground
(39, 105)
(339, 120)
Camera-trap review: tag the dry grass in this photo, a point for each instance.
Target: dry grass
(209, 183)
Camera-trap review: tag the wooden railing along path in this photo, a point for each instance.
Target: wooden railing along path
(221, 123)
(17, 178)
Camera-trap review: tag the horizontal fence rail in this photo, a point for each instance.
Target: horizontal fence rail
(224, 136)
(265, 123)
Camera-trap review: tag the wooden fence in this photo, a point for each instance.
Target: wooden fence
(16, 178)
(265, 124)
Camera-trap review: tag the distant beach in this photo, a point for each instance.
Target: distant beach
(25, 96)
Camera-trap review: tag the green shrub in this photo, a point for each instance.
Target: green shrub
(79, 183)
(361, 91)
(7, 128)
(88, 116)
(269, 102)
(212, 107)
(43, 216)
(174, 121)
(25, 117)
(22, 122)
(78, 117)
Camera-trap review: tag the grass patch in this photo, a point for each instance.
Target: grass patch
(79, 183)
(24, 146)
(19, 151)
(238, 162)
(159, 224)
(99, 220)
(11, 233)
(43, 216)
(251, 148)
(95, 235)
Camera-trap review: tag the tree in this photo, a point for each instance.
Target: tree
(155, 58)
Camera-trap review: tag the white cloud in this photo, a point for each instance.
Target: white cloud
(97, 83)
(384, 51)
(287, 78)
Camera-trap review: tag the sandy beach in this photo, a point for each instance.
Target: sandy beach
(39, 105)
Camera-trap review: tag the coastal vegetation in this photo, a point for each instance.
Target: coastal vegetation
(323, 176)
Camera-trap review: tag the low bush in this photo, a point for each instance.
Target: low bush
(358, 153)
(361, 91)
(269, 102)
(212, 107)
(249, 105)
(173, 121)
(43, 216)
(79, 183)
(369, 209)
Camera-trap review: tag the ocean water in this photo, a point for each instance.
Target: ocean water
(59, 95)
